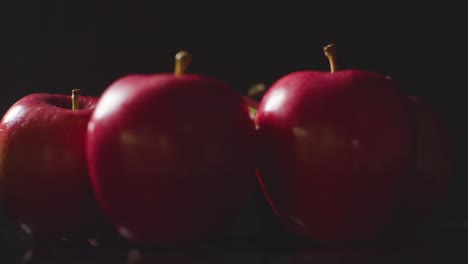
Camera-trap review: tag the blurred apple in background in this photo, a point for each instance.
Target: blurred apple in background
(171, 156)
(429, 181)
(43, 175)
(336, 150)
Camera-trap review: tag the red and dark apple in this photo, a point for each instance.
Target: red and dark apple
(335, 149)
(171, 156)
(45, 182)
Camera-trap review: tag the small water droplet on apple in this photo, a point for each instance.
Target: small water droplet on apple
(133, 256)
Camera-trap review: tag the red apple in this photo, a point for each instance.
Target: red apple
(171, 156)
(335, 150)
(46, 186)
(433, 166)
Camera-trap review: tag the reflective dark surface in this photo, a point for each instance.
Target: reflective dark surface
(256, 238)
(353, 254)
(448, 245)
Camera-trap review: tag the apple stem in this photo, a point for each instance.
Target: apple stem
(75, 99)
(256, 90)
(182, 61)
(330, 52)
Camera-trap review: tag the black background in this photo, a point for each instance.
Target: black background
(55, 46)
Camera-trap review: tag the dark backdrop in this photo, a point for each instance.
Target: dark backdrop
(54, 46)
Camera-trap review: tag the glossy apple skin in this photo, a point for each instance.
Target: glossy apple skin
(335, 149)
(172, 159)
(45, 184)
(430, 179)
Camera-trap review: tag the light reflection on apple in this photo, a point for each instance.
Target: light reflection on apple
(108, 104)
(13, 114)
(275, 100)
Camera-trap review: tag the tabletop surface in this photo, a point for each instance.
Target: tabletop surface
(450, 247)
(260, 241)
(319, 255)
(446, 244)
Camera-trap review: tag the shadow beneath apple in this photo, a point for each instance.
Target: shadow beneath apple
(258, 227)
(256, 237)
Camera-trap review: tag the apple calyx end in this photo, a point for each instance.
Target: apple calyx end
(330, 52)
(75, 97)
(182, 61)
